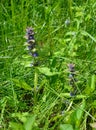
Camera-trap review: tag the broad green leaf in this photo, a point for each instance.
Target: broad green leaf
(66, 127)
(91, 85)
(30, 122)
(46, 71)
(16, 126)
(80, 111)
(21, 116)
(76, 116)
(27, 64)
(22, 84)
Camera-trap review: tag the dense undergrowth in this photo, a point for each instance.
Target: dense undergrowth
(45, 97)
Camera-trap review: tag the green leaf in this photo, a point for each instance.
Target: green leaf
(46, 71)
(16, 126)
(76, 116)
(26, 63)
(71, 33)
(22, 84)
(21, 116)
(30, 122)
(66, 127)
(93, 83)
(87, 34)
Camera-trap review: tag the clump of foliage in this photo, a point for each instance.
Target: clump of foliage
(58, 92)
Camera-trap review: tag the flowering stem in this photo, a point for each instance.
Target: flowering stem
(72, 79)
(31, 47)
(35, 84)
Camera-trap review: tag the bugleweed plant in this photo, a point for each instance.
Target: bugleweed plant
(47, 65)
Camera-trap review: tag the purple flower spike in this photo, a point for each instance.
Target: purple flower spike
(31, 45)
(72, 79)
(71, 67)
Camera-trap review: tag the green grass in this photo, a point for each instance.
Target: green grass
(38, 98)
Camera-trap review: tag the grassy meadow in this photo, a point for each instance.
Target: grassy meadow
(59, 92)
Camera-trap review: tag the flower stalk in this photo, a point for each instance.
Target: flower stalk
(72, 79)
(31, 47)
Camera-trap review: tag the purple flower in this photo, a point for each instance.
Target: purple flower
(30, 37)
(31, 46)
(71, 67)
(35, 54)
(29, 31)
(72, 94)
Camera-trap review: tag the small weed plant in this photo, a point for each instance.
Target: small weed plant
(48, 65)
